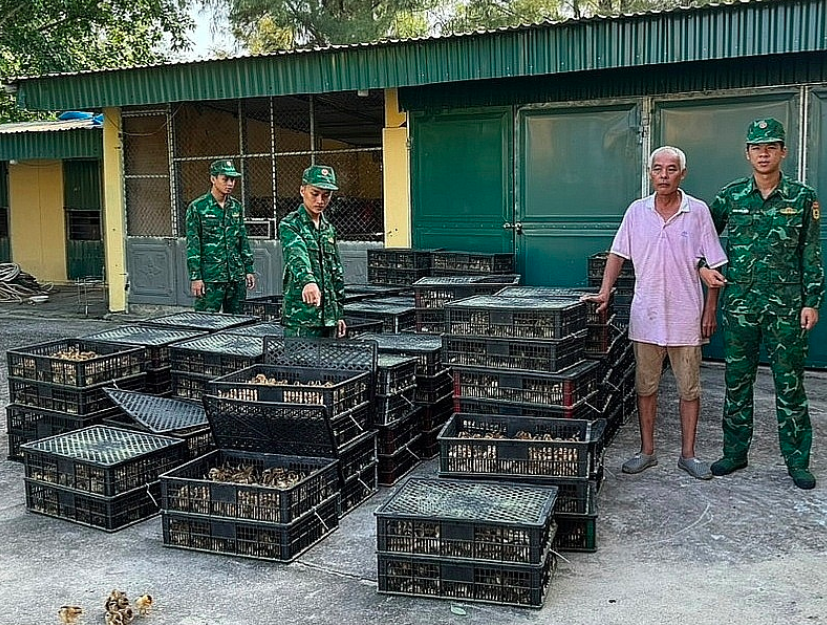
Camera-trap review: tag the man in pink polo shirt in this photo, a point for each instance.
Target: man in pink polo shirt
(665, 235)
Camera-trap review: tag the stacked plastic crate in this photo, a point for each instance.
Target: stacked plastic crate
(467, 541)
(397, 418)
(434, 384)
(58, 386)
(99, 476)
(205, 321)
(396, 316)
(432, 293)
(397, 266)
(624, 286)
(264, 307)
(266, 493)
(156, 341)
(450, 263)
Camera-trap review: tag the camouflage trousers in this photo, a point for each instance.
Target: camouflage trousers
(222, 297)
(752, 317)
(327, 332)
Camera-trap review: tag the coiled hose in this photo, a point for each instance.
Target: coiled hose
(18, 286)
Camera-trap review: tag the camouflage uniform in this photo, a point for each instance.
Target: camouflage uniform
(775, 270)
(218, 252)
(310, 255)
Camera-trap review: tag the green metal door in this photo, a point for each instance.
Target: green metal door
(578, 170)
(712, 134)
(82, 205)
(5, 247)
(461, 165)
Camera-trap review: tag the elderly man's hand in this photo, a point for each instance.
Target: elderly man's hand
(311, 294)
(601, 298)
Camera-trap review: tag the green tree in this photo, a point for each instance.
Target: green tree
(45, 36)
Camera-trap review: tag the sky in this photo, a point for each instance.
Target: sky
(203, 39)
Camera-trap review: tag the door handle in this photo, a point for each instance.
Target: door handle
(518, 228)
(508, 226)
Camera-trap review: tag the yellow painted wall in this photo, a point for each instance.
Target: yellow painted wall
(396, 171)
(114, 212)
(37, 227)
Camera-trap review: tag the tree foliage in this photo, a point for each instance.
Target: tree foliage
(45, 36)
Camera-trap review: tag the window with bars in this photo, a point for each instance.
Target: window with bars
(167, 154)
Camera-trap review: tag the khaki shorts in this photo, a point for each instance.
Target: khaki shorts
(685, 361)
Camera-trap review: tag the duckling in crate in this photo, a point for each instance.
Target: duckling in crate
(70, 614)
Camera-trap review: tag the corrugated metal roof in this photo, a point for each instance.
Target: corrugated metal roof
(47, 126)
(744, 29)
(63, 139)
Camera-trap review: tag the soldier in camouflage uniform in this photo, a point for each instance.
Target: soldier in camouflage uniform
(219, 259)
(775, 286)
(313, 282)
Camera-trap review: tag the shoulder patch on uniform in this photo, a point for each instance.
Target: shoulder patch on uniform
(816, 210)
(789, 210)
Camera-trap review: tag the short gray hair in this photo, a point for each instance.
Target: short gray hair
(668, 149)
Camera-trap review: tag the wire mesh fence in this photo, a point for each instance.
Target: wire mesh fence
(167, 153)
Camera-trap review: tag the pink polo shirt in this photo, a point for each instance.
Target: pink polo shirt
(668, 302)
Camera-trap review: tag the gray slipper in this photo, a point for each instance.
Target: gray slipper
(696, 468)
(639, 462)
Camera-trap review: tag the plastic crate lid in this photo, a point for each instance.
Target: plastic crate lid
(350, 355)
(265, 299)
(472, 500)
(378, 289)
(103, 445)
(158, 414)
(407, 342)
(434, 281)
(224, 343)
(387, 361)
(144, 335)
(371, 306)
(394, 300)
(270, 427)
(266, 328)
(522, 303)
(547, 291)
(201, 320)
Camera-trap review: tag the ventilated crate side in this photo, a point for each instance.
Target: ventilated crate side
(395, 374)
(459, 263)
(25, 424)
(339, 391)
(514, 318)
(564, 389)
(576, 532)
(575, 293)
(85, 401)
(393, 276)
(105, 513)
(430, 321)
(198, 438)
(428, 446)
(102, 460)
(502, 584)
(249, 539)
(189, 386)
(356, 326)
(521, 446)
(334, 354)
(154, 340)
(357, 456)
(597, 265)
(75, 362)
(394, 467)
(391, 408)
(266, 307)
(358, 489)
(432, 293)
(584, 410)
(206, 486)
(196, 320)
(399, 258)
(394, 436)
(431, 389)
(217, 354)
(426, 349)
(515, 354)
(600, 338)
(395, 318)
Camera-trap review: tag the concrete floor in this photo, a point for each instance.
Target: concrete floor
(747, 549)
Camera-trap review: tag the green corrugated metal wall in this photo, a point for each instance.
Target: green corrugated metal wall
(55, 144)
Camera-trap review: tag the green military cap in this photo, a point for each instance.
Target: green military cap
(320, 176)
(767, 130)
(224, 167)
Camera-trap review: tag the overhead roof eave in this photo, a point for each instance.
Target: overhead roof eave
(744, 29)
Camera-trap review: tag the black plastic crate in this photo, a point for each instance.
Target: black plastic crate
(399, 258)
(391, 408)
(430, 320)
(196, 320)
(488, 582)
(436, 414)
(265, 328)
(586, 409)
(358, 489)
(514, 353)
(336, 354)
(154, 340)
(395, 374)
(432, 293)
(105, 513)
(190, 386)
(89, 401)
(577, 532)
(564, 388)
(159, 382)
(492, 316)
(574, 495)
(393, 276)
(76, 362)
(25, 424)
(597, 265)
(394, 436)
(161, 415)
(600, 338)
(356, 326)
(472, 263)
(359, 292)
(426, 349)
(357, 456)
(483, 445)
(556, 292)
(395, 318)
(394, 467)
(428, 444)
(468, 520)
(215, 355)
(431, 389)
(276, 428)
(395, 300)
(251, 539)
(102, 460)
(200, 487)
(265, 307)
(339, 391)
